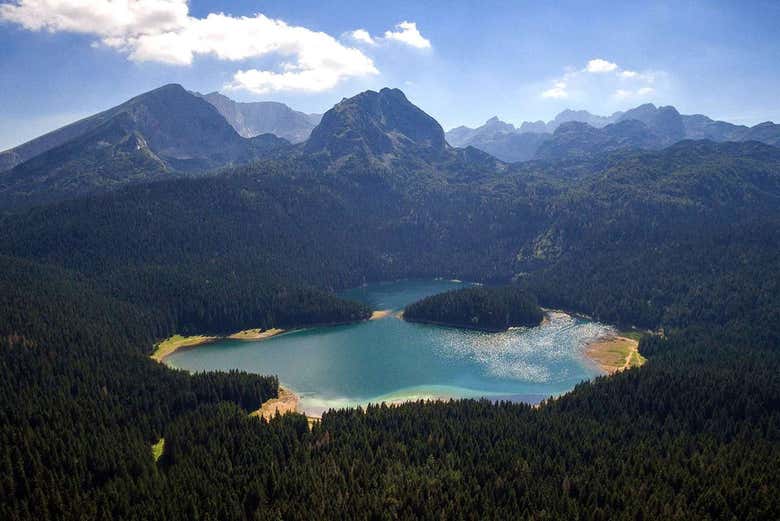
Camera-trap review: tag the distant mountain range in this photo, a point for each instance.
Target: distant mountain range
(264, 117)
(171, 132)
(662, 127)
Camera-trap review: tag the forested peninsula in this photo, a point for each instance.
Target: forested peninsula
(478, 307)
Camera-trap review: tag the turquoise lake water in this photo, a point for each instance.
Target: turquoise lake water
(393, 360)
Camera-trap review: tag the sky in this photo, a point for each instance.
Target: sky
(461, 61)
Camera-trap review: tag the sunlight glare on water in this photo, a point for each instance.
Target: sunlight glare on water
(393, 360)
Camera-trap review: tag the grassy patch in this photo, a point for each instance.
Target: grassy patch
(616, 353)
(171, 344)
(157, 449)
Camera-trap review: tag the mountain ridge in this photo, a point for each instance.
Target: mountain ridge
(250, 119)
(507, 143)
(163, 132)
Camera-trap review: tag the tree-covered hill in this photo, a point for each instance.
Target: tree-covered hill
(684, 239)
(480, 307)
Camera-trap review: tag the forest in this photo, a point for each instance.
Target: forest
(482, 307)
(683, 241)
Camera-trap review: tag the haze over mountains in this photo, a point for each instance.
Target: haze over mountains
(170, 132)
(683, 240)
(660, 126)
(264, 117)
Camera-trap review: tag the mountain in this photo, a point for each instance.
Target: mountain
(500, 139)
(14, 156)
(264, 117)
(666, 122)
(385, 134)
(378, 125)
(575, 139)
(698, 126)
(766, 132)
(161, 133)
(509, 143)
(682, 241)
(464, 136)
(669, 126)
(582, 116)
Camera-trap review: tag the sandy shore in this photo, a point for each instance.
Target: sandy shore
(382, 313)
(251, 335)
(286, 402)
(170, 345)
(615, 353)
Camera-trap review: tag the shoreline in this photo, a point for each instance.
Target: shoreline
(287, 401)
(610, 353)
(401, 316)
(176, 343)
(454, 326)
(380, 314)
(614, 353)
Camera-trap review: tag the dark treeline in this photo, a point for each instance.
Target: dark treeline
(481, 307)
(685, 239)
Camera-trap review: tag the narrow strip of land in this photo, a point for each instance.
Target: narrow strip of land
(172, 344)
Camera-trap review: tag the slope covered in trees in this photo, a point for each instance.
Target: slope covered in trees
(481, 307)
(684, 238)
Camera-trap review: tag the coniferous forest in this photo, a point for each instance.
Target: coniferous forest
(485, 308)
(683, 242)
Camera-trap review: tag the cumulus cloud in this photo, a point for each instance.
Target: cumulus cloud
(163, 31)
(407, 33)
(362, 35)
(599, 66)
(600, 76)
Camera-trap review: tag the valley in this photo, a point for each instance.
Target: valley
(110, 250)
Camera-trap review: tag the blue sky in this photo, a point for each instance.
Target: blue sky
(462, 62)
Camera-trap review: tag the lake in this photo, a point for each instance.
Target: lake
(392, 360)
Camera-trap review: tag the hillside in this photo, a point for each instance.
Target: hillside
(162, 133)
(684, 239)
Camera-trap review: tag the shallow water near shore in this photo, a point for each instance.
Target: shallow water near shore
(393, 361)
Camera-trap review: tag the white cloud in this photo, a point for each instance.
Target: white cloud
(163, 31)
(598, 65)
(361, 35)
(408, 33)
(558, 91)
(105, 18)
(589, 83)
